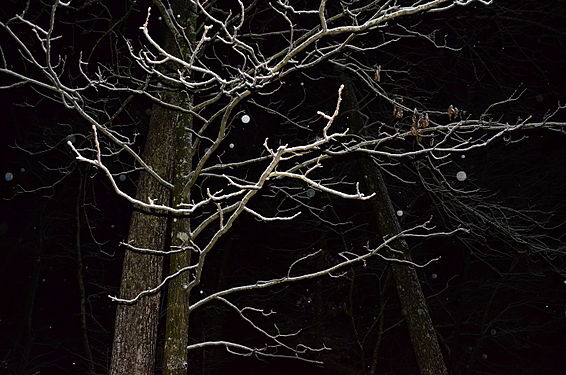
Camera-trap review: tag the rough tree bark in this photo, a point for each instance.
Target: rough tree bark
(135, 334)
(177, 316)
(422, 333)
(175, 356)
(169, 151)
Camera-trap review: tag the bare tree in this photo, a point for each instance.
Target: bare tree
(211, 76)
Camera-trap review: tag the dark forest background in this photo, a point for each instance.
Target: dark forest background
(498, 302)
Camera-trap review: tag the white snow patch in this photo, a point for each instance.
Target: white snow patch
(183, 236)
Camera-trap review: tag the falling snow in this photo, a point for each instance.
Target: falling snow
(461, 176)
(9, 176)
(246, 119)
(399, 212)
(310, 193)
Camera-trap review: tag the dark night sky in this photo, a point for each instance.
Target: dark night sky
(502, 50)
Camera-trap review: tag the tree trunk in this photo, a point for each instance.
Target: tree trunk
(23, 341)
(80, 274)
(175, 356)
(168, 151)
(422, 333)
(177, 317)
(423, 336)
(135, 334)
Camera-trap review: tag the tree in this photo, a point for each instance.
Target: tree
(221, 65)
(421, 329)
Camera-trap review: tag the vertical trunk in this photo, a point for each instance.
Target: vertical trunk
(422, 333)
(135, 334)
(23, 341)
(167, 150)
(175, 360)
(177, 317)
(80, 276)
